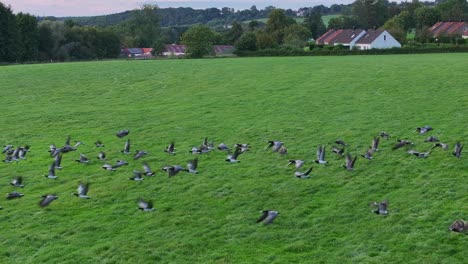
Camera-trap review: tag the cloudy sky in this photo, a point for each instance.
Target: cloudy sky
(102, 7)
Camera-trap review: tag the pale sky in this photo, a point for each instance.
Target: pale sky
(61, 8)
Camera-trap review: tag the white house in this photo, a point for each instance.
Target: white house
(377, 39)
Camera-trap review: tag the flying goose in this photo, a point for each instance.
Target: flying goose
(297, 163)
(17, 182)
(459, 226)
(381, 207)
(401, 143)
(14, 195)
(424, 129)
(147, 169)
(303, 175)
(47, 199)
(65, 149)
(99, 144)
(223, 146)
(384, 134)
(51, 174)
(349, 165)
(145, 205)
(375, 144)
(126, 149)
(431, 139)
(170, 149)
(321, 155)
(120, 163)
(137, 176)
(338, 151)
(82, 159)
(139, 154)
(267, 216)
(102, 155)
(192, 166)
(173, 170)
(122, 133)
(440, 144)
(82, 191)
(458, 150)
(368, 154)
(274, 145)
(420, 154)
(232, 158)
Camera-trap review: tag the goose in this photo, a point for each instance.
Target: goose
(82, 191)
(420, 154)
(99, 144)
(78, 143)
(431, 139)
(297, 163)
(52, 148)
(232, 158)
(120, 163)
(82, 159)
(274, 145)
(321, 155)
(375, 144)
(145, 205)
(381, 207)
(384, 134)
(340, 142)
(137, 176)
(459, 226)
(6, 148)
(126, 149)
(349, 165)
(458, 150)
(139, 154)
(66, 148)
(338, 151)
(122, 133)
(401, 143)
(441, 145)
(147, 169)
(368, 154)
(170, 149)
(283, 150)
(424, 129)
(55, 152)
(223, 146)
(8, 159)
(108, 167)
(102, 155)
(51, 174)
(192, 166)
(195, 150)
(23, 151)
(14, 195)
(173, 170)
(267, 216)
(17, 182)
(47, 199)
(15, 155)
(242, 146)
(303, 175)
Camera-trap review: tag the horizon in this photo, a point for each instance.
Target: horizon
(83, 8)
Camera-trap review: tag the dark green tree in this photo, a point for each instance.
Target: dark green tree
(234, 33)
(455, 10)
(8, 34)
(247, 41)
(371, 13)
(144, 26)
(426, 16)
(277, 22)
(314, 23)
(28, 37)
(198, 41)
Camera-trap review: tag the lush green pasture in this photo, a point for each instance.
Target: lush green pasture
(325, 19)
(210, 217)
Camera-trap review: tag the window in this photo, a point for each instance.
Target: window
(385, 37)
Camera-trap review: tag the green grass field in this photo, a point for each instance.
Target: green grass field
(210, 217)
(325, 19)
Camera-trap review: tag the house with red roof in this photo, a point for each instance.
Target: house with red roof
(179, 50)
(449, 29)
(362, 39)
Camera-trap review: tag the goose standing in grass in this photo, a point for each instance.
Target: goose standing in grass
(424, 129)
(120, 163)
(458, 150)
(139, 154)
(459, 226)
(137, 176)
(170, 149)
(242, 146)
(147, 170)
(122, 133)
(283, 150)
(350, 162)
(381, 207)
(267, 216)
(274, 145)
(223, 147)
(82, 191)
(82, 159)
(321, 155)
(51, 174)
(145, 206)
(192, 166)
(375, 144)
(420, 154)
(233, 158)
(297, 163)
(23, 151)
(173, 170)
(195, 150)
(126, 149)
(102, 156)
(14, 195)
(108, 167)
(17, 182)
(368, 154)
(47, 199)
(303, 175)
(384, 134)
(401, 143)
(99, 144)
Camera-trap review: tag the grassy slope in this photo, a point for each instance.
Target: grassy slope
(325, 19)
(210, 217)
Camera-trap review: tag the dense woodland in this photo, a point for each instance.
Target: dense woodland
(25, 38)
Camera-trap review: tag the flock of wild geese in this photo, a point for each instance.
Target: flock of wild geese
(13, 154)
